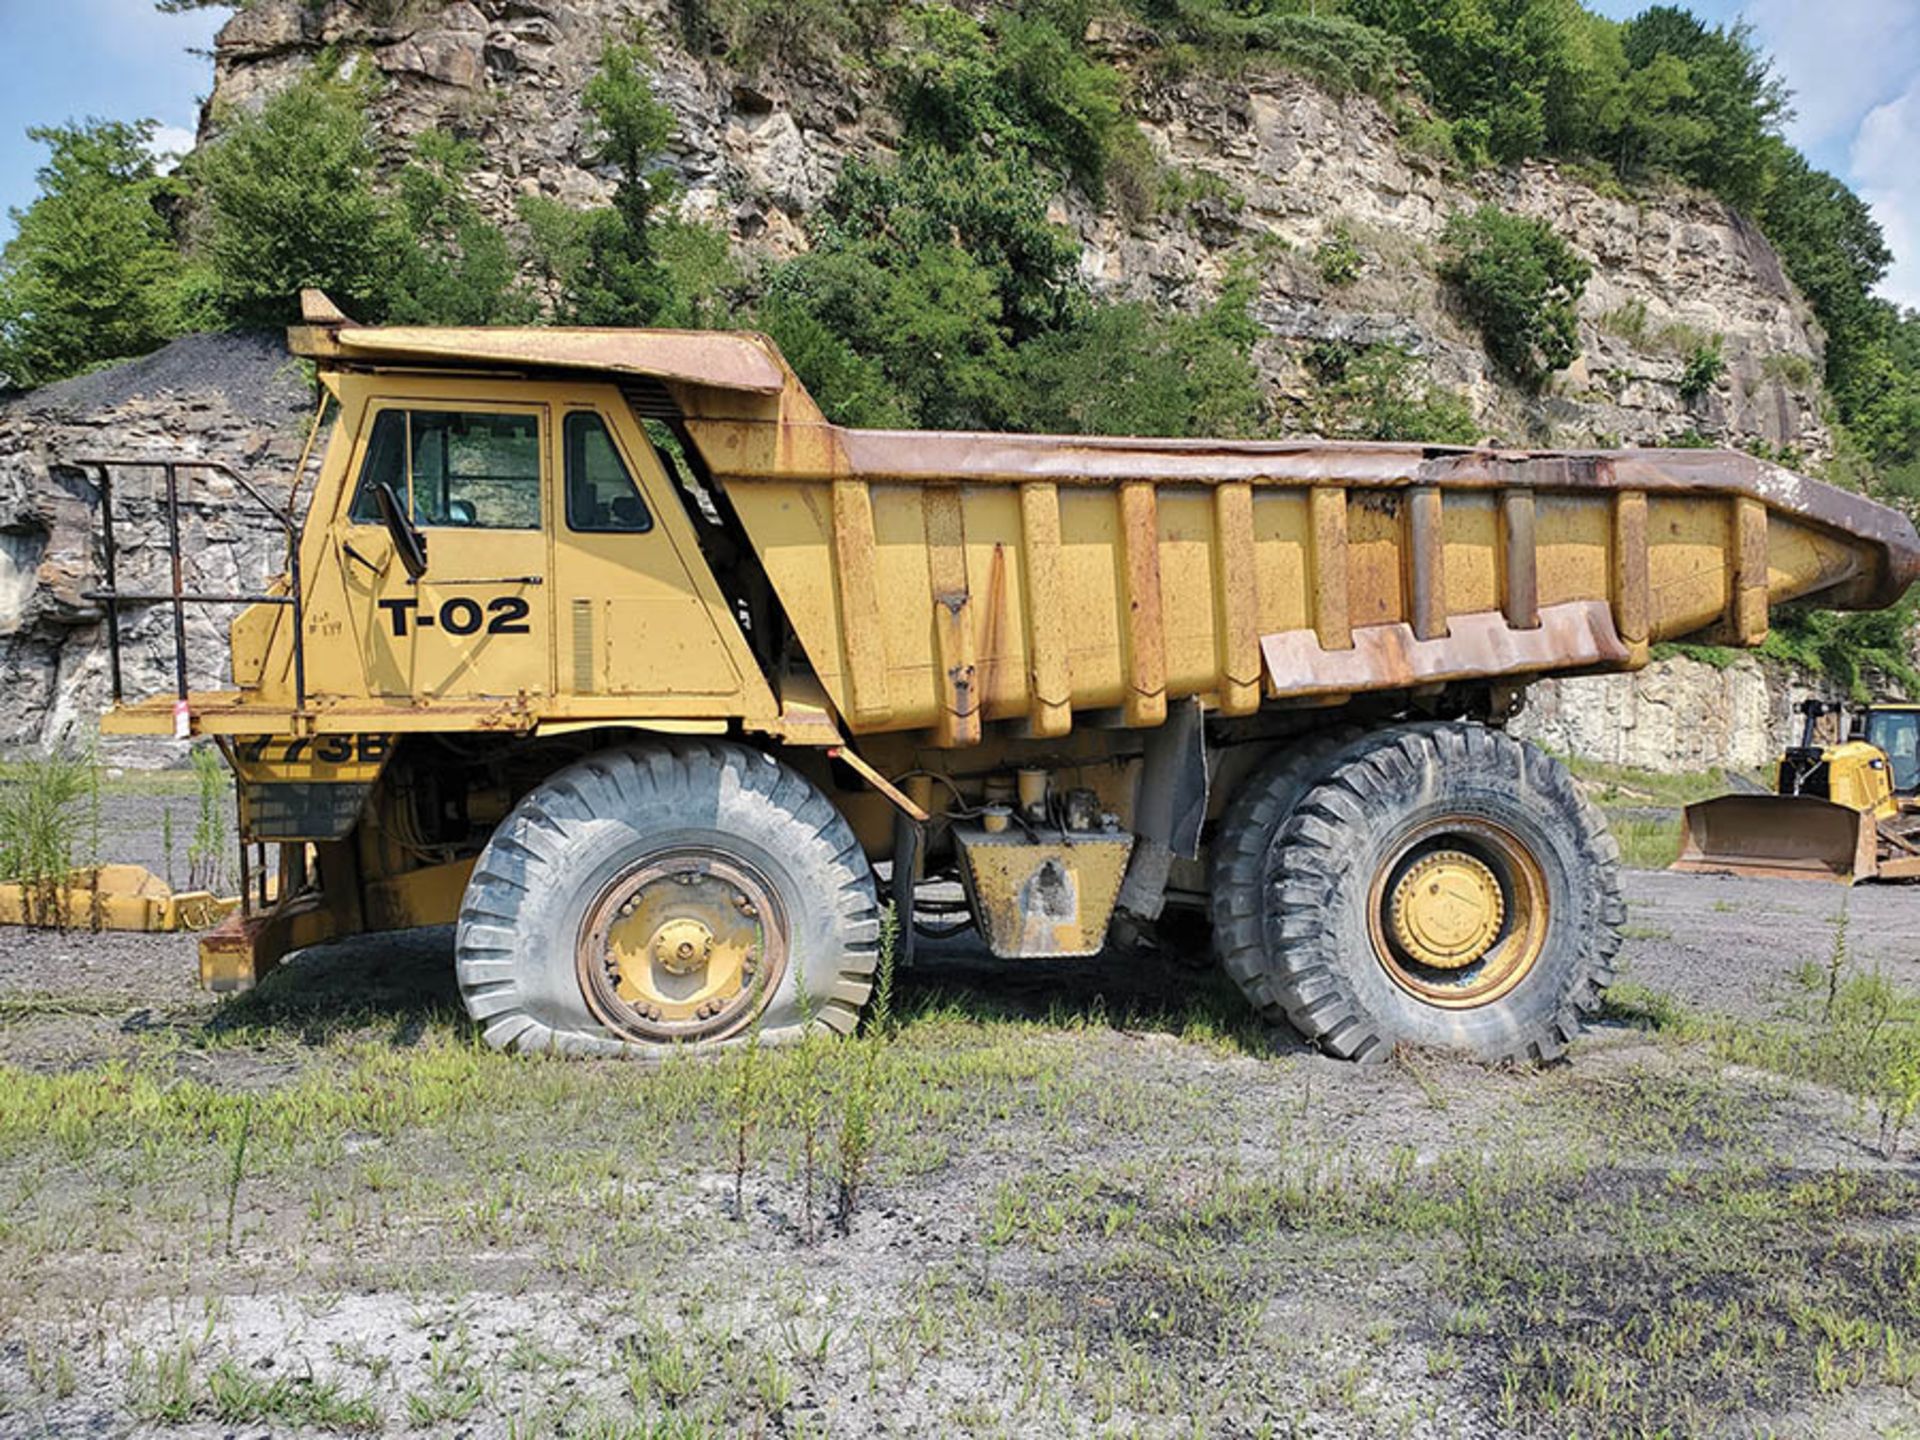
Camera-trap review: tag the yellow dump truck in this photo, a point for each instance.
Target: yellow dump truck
(609, 648)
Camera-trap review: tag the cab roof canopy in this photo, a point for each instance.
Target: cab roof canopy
(729, 360)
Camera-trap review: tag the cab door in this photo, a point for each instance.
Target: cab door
(472, 479)
(636, 615)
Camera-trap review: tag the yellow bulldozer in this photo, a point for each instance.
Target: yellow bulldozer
(609, 649)
(1846, 811)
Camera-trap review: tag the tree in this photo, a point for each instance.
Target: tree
(453, 266)
(290, 201)
(1128, 368)
(928, 273)
(1028, 82)
(1518, 76)
(634, 262)
(1651, 119)
(294, 196)
(1521, 283)
(1734, 106)
(1383, 392)
(92, 273)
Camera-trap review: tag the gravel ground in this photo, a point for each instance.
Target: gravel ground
(1098, 1202)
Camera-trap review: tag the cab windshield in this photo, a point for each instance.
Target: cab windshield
(1897, 732)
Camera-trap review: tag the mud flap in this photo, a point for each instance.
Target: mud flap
(1788, 837)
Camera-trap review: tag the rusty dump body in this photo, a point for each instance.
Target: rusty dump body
(909, 619)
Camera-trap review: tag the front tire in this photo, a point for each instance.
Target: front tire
(1439, 885)
(660, 896)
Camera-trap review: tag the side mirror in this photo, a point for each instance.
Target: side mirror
(408, 543)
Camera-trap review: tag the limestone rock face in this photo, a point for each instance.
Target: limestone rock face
(1679, 714)
(234, 398)
(1272, 166)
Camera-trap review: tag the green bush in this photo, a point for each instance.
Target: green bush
(923, 276)
(1336, 50)
(1382, 392)
(937, 293)
(1028, 81)
(1338, 259)
(1521, 284)
(1704, 367)
(1134, 369)
(1864, 653)
(290, 202)
(752, 32)
(92, 273)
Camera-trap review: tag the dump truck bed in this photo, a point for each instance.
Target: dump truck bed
(985, 577)
(939, 582)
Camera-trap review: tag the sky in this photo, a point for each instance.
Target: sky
(63, 60)
(1853, 65)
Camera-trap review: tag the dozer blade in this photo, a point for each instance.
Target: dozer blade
(112, 897)
(1788, 837)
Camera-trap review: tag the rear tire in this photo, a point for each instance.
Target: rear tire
(1245, 860)
(1438, 885)
(663, 896)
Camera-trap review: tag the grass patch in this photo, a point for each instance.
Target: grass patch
(1613, 785)
(1646, 843)
(237, 1396)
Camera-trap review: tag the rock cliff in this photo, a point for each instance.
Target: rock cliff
(1270, 165)
(235, 398)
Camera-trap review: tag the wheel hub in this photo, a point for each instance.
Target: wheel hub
(1447, 910)
(681, 948)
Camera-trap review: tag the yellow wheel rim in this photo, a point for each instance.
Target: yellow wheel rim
(1458, 912)
(686, 946)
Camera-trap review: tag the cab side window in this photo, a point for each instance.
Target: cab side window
(451, 468)
(601, 495)
(1898, 734)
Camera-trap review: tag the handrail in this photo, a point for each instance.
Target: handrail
(177, 594)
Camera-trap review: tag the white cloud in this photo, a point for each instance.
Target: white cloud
(169, 144)
(1884, 169)
(1841, 58)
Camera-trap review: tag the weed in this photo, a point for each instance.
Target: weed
(207, 852)
(237, 1396)
(809, 1104)
(237, 1167)
(1836, 962)
(1854, 1031)
(1628, 1003)
(860, 1096)
(1628, 321)
(1338, 258)
(1789, 369)
(160, 1384)
(880, 1005)
(1705, 364)
(47, 808)
(1645, 843)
